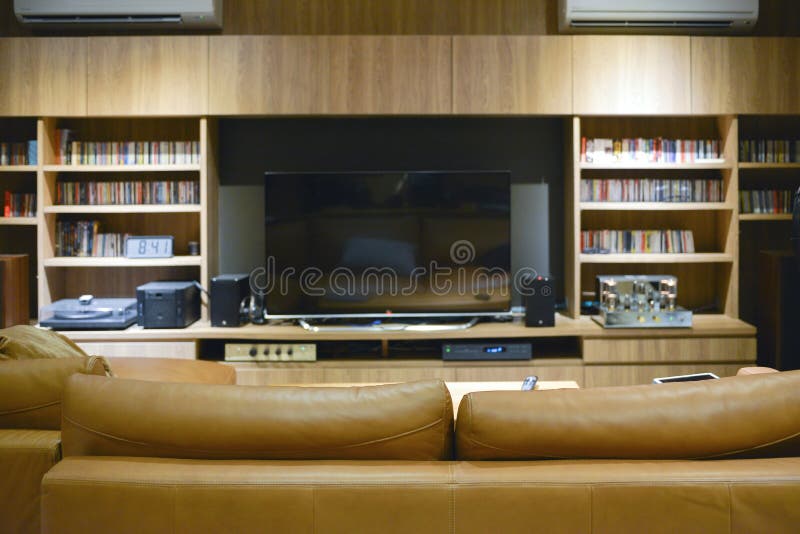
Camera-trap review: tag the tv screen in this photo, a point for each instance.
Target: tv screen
(387, 243)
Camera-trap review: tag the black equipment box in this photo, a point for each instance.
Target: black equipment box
(486, 351)
(168, 304)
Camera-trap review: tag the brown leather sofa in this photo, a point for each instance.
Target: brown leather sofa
(30, 420)
(716, 456)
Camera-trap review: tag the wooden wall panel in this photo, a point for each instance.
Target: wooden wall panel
(512, 75)
(631, 75)
(745, 75)
(336, 75)
(160, 75)
(669, 350)
(43, 76)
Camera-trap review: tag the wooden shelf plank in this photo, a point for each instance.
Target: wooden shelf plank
(176, 261)
(765, 217)
(701, 257)
(655, 206)
(641, 165)
(122, 168)
(767, 166)
(17, 221)
(127, 208)
(18, 168)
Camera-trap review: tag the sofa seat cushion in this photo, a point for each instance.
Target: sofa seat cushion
(25, 456)
(172, 370)
(116, 417)
(31, 390)
(174, 495)
(738, 417)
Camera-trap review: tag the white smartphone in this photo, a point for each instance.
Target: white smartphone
(685, 378)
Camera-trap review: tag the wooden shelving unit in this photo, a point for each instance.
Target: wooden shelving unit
(68, 277)
(765, 216)
(708, 278)
(18, 221)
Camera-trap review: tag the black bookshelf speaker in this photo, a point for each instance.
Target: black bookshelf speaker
(229, 293)
(540, 302)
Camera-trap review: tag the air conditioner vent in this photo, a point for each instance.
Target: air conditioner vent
(104, 19)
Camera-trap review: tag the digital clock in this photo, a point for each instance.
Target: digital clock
(149, 246)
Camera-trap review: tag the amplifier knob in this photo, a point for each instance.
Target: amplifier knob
(278, 351)
(253, 352)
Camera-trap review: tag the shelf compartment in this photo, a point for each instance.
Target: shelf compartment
(18, 221)
(699, 257)
(765, 217)
(175, 261)
(655, 206)
(125, 208)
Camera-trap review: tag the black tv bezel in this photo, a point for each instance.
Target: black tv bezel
(391, 315)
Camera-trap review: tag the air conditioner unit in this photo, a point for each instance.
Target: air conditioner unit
(657, 16)
(188, 14)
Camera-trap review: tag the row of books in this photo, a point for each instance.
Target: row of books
(637, 241)
(769, 151)
(758, 201)
(84, 238)
(120, 193)
(73, 152)
(657, 150)
(650, 190)
(19, 153)
(19, 205)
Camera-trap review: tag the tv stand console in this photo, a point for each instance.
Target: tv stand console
(379, 326)
(573, 349)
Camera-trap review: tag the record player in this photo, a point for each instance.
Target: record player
(89, 313)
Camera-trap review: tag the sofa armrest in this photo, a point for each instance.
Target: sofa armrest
(172, 370)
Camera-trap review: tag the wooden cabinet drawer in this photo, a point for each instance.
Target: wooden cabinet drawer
(727, 349)
(141, 349)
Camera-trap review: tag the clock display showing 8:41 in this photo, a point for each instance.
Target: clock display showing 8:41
(149, 246)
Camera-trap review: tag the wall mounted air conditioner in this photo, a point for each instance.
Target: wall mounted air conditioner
(657, 16)
(188, 14)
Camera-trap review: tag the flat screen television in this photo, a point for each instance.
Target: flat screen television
(381, 244)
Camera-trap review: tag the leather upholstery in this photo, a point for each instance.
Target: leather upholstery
(172, 370)
(744, 416)
(171, 495)
(104, 417)
(31, 390)
(25, 456)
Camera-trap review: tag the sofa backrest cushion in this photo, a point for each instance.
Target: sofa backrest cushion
(23, 342)
(31, 390)
(116, 417)
(737, 417)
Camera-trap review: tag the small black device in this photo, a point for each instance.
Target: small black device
(168, 304)
(540, 303)
(685, 378)
(230, 300)
(486, 351)
(529, 383)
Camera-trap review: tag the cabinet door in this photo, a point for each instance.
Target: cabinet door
(254, 75)
(43, 76)
(159, 75)
(512, 74)
(631, 75)
(745, 75)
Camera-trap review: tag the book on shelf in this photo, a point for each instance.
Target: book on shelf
(765, 201)
(128, 193)
(637, 241)
(650, 190)
(84, 239)
(769, 151)
(19, 204)
(653, 150)
(19, 153)
(74, 152)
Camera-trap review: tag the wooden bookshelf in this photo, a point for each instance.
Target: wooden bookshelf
(123, 168)
(126, 208)
(769, 166)
(18, 168)
(18, 221)
(713, 224)
(765, 216)
(175, 261)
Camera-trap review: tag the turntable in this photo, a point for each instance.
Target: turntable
(89, 313)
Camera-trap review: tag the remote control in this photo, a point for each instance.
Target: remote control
(529, 383)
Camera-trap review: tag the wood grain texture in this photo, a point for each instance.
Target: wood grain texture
(331, 75)
(184, 350)
(572, 217)
(156, 75)
(633, 375)
(669, 350)
(514, 75)
(43, 76)
(745, 75)
(631, 75)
